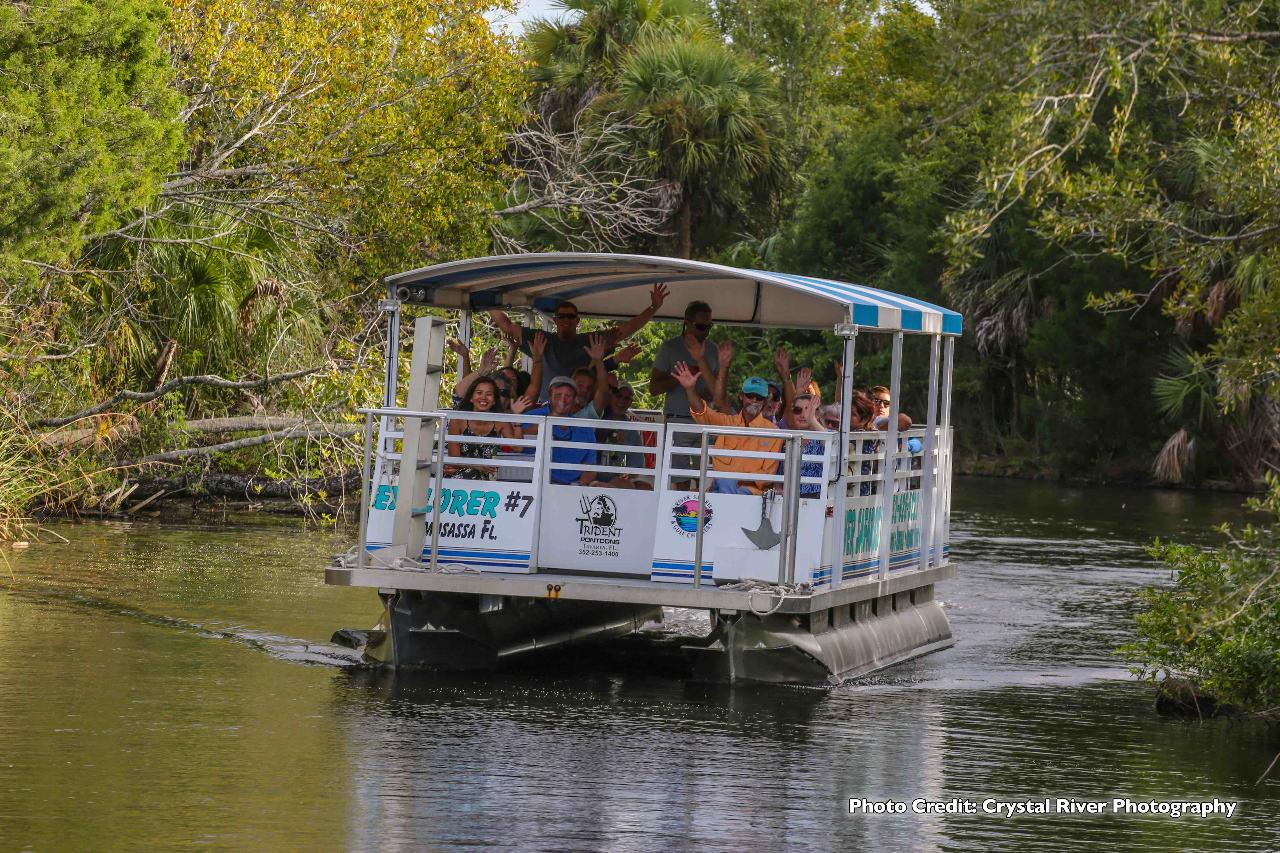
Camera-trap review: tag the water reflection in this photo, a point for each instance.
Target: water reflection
(586, 762)
(151, 695)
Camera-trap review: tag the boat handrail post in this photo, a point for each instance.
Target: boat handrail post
(539, 483)
(888, 470)
(366, 489)
(419, 432)
(928, 482)
(840, 505)
(391, 306)
(442, 449)
(702, 509)
(790, 509)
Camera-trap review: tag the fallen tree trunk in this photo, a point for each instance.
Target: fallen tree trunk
(194, 489)
(304, 430)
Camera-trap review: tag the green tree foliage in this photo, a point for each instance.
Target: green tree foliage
(1219, 624)
(705, 119)
(89, 123)
(243, 171)
(374, 129)
(573, 55)
(324, 142)
(1147, 132)
(1028, 389)
(709, 120)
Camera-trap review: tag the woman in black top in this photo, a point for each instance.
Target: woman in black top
(482, 396)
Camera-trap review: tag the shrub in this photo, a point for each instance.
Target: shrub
(1219, 624)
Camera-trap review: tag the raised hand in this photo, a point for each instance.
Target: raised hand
(657, 296)
(520, 405)
(596, 347)
(782, 362)
(488, 361)
(627, 353)
(683, 374)
(803, 377)
(724, 350)
(538, 346)
(457, 346)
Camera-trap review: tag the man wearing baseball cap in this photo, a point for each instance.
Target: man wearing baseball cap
(566, 440)
(755, 391)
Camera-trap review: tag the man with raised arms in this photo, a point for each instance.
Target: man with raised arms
(566, 439)
(566, 350)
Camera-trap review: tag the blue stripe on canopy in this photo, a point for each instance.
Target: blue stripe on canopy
(607, 285)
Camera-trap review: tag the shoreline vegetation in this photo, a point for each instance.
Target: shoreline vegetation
(199, 198)
(335, 497)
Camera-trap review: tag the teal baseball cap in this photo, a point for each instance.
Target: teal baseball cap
(755, 385)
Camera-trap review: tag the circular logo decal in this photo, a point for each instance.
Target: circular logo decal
(684, 516)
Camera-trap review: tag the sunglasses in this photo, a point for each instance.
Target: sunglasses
(831, 424)
(755, 397)
(797, 410)
(879, 402)
(702, 327)
(566, 316)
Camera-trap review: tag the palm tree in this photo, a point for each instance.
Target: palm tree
(712, 119)
(206, 286)
(574, 57)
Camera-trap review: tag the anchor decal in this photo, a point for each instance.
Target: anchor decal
(764, 537)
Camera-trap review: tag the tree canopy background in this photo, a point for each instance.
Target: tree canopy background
(213, 188)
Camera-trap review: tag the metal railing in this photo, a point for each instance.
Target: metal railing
(792, 457)
(665, 460)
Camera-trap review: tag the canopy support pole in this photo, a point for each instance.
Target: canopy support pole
(888, 466)
(928, 482)
(392, 309)
(942, 510)
(840, 506)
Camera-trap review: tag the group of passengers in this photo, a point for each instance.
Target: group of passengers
(574, 376)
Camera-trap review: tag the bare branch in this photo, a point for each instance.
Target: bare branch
(588, 185)
(173, 385)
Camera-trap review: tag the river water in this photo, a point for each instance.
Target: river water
(169, 686)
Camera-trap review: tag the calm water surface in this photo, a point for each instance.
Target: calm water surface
(173, 687)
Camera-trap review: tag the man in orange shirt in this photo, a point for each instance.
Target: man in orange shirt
(750, 407)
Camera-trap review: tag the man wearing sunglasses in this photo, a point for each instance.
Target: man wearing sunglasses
(880, 403)
(690, 348)
(751, 404)
(566, 350)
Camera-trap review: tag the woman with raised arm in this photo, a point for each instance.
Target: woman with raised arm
(488, 361)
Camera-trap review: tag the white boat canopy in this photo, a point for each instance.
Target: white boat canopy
(607, 285)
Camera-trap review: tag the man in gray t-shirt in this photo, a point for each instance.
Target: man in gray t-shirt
(566, 350)
(697, 325)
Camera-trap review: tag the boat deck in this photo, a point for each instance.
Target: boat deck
(553, 585)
